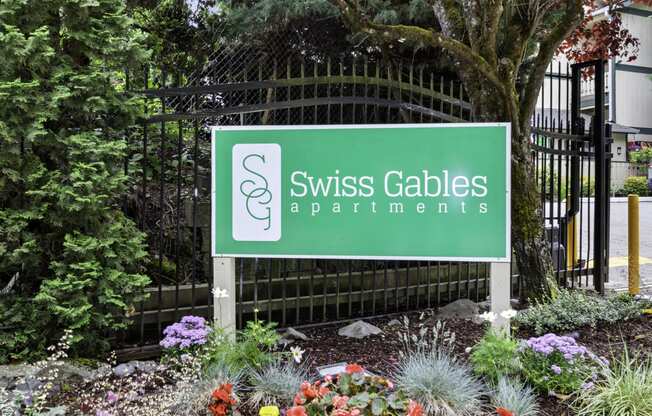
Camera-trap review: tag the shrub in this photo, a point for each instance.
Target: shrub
(572, 309)
(495, 356)
(636, 185)
(66, 245)
(643, 156)
(442, 385)
(275, 384)
(553, 363)
(625, 390)
(254, 347)
(352, 392)
(518, 399)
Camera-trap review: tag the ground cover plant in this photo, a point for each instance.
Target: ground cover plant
(571, 309)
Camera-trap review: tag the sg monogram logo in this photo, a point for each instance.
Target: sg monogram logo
(256, 192)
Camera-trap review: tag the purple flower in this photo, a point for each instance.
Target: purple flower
(550, 343)
(111, 397)
(100, 412)
(190, 331)
(555, 369)
(587, 386)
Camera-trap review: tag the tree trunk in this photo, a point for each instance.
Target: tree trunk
(528, 237)
(532, 251)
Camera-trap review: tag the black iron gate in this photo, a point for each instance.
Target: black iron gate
(170, 159)
(572, 156)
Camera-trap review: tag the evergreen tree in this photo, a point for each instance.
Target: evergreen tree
(69, 258)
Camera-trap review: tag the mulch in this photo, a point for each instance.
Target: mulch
(379, 354)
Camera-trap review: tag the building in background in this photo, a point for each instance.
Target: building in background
(628, 95)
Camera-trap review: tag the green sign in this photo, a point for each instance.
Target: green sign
(417, 191)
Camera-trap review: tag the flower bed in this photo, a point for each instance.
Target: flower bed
(418, 366)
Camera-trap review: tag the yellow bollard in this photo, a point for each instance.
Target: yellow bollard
(633, 245)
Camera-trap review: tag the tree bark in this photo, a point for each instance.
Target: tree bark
(532, 251)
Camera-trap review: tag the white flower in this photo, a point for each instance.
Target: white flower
(467, 350)
(220, 293)
(297, 354)
(488, 316)
(508, 314)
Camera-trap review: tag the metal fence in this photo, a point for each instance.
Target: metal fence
(170, 198)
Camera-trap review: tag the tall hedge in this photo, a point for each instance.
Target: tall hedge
(69, 258)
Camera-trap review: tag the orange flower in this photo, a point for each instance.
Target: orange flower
(299, 400)
(503, 412)
(222, 395)
(353, 368)
(296, 411)
(323, 391)
(414, 409)
(218, 409)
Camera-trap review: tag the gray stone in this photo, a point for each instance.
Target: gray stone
(285, 342)
(394, 323)
(359, 329)
(56, 411)
(124, 370)
(147, 367)
(293, 334)
(461, 308)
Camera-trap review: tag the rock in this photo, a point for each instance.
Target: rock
(147, 367)
(127, 369)
(56, 411)
(394, 323)
(285, 342)
(293, 334)
(124, 369)
(359, 329)
(461, 308)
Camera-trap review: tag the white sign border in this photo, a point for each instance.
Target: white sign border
(508, 187)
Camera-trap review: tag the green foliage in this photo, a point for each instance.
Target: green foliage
(636, 185)
(512, 395)
(275, 384)
(64, 243)
(572, 309)
(495, 356)
(626, 390)
(442, 385)
(254, 348)
(643, 156)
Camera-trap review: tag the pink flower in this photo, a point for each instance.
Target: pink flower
(355, 412)
(340, 401)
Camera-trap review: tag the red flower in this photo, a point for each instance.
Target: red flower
(503, 412)
(296, 411)
(299, 400)
(414, 409)
(323, 391)
(353, 368)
